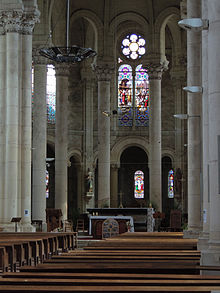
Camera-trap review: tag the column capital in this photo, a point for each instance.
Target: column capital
(62, 70)
(103, 71)
(12, 20)
(38, 59)
(115, 166)
(29, 21)
(154, 70)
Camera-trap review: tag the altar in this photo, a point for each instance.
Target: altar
(95, 224)
(138, 215)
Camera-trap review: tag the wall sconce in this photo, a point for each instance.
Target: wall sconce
(108, 114)
(193, 89)
(184, 116)
(194, 24)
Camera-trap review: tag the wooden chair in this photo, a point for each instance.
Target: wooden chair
(80, 225)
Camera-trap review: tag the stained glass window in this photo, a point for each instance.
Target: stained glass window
(139, 184)
(171, 184)
(47, 184)
(141, 97)
(133, 46)
(125, 95)
(51, 94)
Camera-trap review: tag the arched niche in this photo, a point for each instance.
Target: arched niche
(132, 159)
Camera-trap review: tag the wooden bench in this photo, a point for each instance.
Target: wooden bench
(111, 268)
(25, 248)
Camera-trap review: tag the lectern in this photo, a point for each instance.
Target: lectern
(16, 220)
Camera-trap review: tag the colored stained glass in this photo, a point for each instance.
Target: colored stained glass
(171, 184)
(125, 86)
(141, 88)
(51, 94)
(133, 46)
(142, 116)
(125, 116)
(47, 184)
(139, 184)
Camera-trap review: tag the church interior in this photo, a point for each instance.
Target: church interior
(111, 109)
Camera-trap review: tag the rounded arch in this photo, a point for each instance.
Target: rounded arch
(76, 154)
(168, 153)
(124, 143)
(123, 17)
(163, 19)
(96, 23)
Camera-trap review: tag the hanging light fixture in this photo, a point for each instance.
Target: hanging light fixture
(68, 54)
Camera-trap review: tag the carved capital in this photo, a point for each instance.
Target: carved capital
(103, 72)
(29, 21)
(154, 70)
(62, 70)
(12, 20)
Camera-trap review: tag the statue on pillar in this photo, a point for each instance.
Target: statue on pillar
(89, 183)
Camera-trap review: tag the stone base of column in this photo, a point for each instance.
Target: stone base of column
(191, 234)
(27, 227)
(19, 227)
(203, 244)
(211, 257)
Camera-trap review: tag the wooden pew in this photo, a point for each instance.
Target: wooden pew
(25, 248)
(172, 235)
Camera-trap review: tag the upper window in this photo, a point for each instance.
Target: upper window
(51, 94)
(133, 46)
(133, 86)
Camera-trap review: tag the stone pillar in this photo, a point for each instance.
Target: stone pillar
(204, 236)
(104, 73)
(18, 21)
(214, 130)
(194, 121)
(155, 75)
(26, 120)
(178, 76)
(13, 112)
(39, 140)
(114, 186)
(2, 122)
(61, 138)
(86, 75)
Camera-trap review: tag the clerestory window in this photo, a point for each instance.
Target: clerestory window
(133, 85)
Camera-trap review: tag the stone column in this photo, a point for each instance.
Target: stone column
(26, 120)
(194, 121)
(214, 129)
(61, 138)
(12, 147)
(39, 140)
(204, 236)
(155, 75)
(86, 75)
(2, 122)
(104, 73)
(114, 186)
(178, 76)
